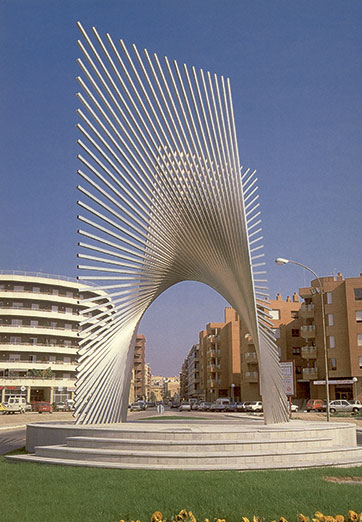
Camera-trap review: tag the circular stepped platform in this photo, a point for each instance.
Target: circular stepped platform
(204, 445)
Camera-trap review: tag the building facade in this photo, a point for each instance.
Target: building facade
(39, 335)
(343, 323)
(139, 364)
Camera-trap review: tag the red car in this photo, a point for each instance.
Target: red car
(41, 407)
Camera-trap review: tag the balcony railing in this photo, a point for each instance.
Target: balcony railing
(310, 373)
(251, 376)
(309, 352)
(307, 331)
(251, 357)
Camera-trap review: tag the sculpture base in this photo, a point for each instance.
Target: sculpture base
(205, 445)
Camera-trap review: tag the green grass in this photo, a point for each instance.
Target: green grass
(40, 493)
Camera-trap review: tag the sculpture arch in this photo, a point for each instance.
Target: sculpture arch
(165, 201)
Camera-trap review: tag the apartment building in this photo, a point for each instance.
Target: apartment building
(227, 358)
(193, 372)
(171, 388)
(343, 323)
(39, 335)
(139, 364)
(157, 388)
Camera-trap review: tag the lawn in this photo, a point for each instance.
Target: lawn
(40, 493)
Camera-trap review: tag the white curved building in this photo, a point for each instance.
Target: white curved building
(39, 335)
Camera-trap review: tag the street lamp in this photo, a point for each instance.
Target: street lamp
(282, 261)
(232, 392)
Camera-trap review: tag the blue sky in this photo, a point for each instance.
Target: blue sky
(296, 76)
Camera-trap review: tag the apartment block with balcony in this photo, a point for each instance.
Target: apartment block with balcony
(39, 335)
(139, 364)
(343, 320)
(210, 361)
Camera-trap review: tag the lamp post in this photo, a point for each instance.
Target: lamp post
(232, 392)
(282, 261)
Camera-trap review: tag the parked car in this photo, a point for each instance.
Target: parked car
(59, 406)
(43, 407)
(231, 406)
(151, 404)
(3, 408)
(174, 404)
(15, 405)
(294, 408)
(204, 406)
(185, 406)
(316, 405)
(254, 406)
(344, 406)
(70, 404)
(219, 405)
(138, 406)
(240, 406)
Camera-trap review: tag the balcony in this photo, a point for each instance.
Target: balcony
(309, 352)
(307, 331)
(251, 358)
(307, 311)
(310, 373)
(37, 381)
(251, 376)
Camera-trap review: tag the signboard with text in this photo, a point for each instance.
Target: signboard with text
(287, 368)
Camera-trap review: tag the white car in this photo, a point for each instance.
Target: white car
(294, 408)
(343, 405)
(254, 406)
(185, 406)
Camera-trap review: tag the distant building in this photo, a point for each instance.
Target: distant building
(157, 388)
(39, 335)
(171, 388)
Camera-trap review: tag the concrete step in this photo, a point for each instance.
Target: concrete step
(197, 445)
(351, 459)
(200, 458)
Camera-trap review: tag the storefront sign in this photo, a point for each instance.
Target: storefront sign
(341, 381)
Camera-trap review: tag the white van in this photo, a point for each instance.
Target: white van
(219, 405)
(16, 405)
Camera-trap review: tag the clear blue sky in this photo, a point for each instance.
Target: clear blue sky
(296, 74)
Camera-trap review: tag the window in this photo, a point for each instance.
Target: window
(67, 359)
(36, 289)
(294, 314)
(298, 369)
(358, 294)
(329, 297)
(296, 351)
(295, 332)
(52, 342)
(16, 322)
(14, 356)
(360, 363)
(52, 358)
(18, 288)
(359, 339)
(330, 319)
(33, 340)
(15, 340)
(68, 310)
(55, 291)
(68, 326)
(54, 308)
(53, 324)
(333, 363)
(69, 294)
(17, 304)
(35, 306)
(67, 343)
(32, 358)
(358, 316)
(332, 341)
(274, 314)
(66, 375)
(34, 323)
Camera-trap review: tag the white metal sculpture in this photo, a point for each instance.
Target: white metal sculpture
(166, 201)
